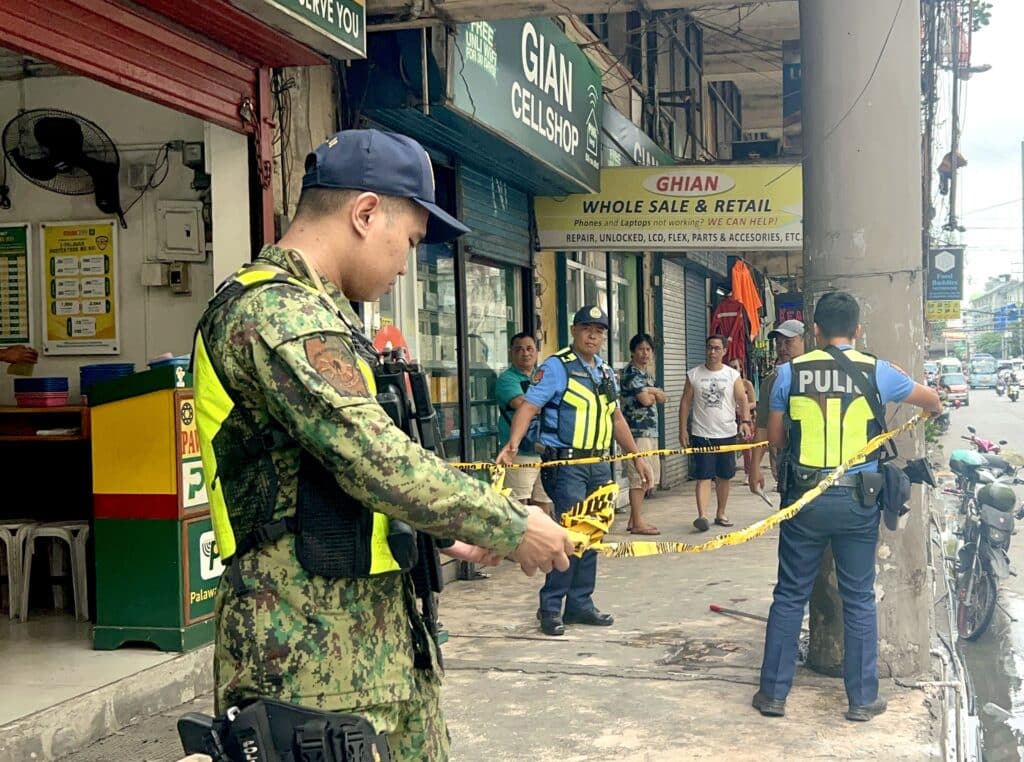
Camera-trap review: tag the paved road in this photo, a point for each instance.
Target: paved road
(996, 660)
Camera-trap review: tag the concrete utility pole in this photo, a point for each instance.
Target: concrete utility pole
(862, 203)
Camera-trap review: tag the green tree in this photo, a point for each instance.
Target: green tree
(990, 342)
(979, 11)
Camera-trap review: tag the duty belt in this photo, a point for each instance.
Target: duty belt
(846, 480)
(569, 453)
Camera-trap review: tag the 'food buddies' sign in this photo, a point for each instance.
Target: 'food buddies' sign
(946, 274)
(527, 81)
(679, 208)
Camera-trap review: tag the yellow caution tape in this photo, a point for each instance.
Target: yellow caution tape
(488, 466)
(589, 520)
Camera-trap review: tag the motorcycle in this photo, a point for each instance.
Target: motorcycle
(974, 469)
(942, 421)
(1000, 387)
(983, 445)
(983, 559)
(1012, 391)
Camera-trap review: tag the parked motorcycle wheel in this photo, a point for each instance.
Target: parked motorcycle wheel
(972, 620)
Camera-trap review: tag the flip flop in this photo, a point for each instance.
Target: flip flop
(646, 530)
(722, 521)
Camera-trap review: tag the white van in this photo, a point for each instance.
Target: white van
(950, 365)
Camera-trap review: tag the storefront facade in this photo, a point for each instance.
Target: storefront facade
(499, 133)
(180, 90)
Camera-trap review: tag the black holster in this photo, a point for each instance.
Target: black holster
(869, 488)
(267, 730)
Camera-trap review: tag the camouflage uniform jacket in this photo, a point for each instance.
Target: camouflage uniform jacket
(334, 643)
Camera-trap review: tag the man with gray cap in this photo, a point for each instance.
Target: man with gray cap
(314, 488)
(789, 343)
(578, 397)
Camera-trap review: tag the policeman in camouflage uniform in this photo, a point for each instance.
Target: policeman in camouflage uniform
(282, 392)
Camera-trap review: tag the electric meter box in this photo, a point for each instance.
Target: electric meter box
(180, 230)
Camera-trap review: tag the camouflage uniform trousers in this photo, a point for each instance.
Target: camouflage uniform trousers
(338, 645)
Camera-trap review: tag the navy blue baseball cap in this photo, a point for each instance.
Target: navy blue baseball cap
(386, 163)
(590, 314)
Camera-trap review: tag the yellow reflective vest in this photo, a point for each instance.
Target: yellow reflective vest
(584, 411)
(224, 446)
(831, 420)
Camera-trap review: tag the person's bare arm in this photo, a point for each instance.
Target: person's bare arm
(924, 397)
(777, 428)
(525, 413)
(685, 404)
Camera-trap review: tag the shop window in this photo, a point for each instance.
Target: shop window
(625, 310)
(586, 282)
(435, 310)
(494, 309)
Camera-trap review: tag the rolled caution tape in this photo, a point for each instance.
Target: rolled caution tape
(589, 520)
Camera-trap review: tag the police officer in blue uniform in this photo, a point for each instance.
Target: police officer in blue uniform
(577, 394)
(830, 421)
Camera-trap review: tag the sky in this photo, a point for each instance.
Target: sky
(992, 126)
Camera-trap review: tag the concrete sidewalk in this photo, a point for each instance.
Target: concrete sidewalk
(670, 680)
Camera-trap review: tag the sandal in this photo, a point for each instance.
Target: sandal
(722, 521)
(701, 524)
(646, 530)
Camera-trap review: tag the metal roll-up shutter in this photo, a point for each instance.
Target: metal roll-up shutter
(696, 317)
(133, 50)
(672, 367)
(498, 214)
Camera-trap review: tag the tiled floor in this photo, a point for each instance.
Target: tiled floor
(50, 659)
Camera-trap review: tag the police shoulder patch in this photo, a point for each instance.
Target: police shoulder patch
(537, 376)
(898, 368)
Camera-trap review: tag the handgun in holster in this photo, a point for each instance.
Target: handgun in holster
(267, 730)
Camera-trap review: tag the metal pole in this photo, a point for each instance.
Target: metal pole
(955, 138)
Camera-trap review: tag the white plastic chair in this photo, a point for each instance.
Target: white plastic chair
(75, 534)
(13, 533)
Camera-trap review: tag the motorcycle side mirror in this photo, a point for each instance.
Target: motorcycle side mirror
(1003, 441)
(972, 429)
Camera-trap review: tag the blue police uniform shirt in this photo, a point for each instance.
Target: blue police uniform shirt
(550, 381)
(893, 386)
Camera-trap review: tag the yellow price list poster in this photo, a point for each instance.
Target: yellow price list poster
(942, 309)
(80, 288)
(15, 280)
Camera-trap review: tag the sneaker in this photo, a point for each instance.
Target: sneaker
(864, 712)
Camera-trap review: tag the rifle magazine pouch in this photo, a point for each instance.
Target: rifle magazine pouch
(332, 529)
(869, 488)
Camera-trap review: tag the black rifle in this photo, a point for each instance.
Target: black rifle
(402, 392)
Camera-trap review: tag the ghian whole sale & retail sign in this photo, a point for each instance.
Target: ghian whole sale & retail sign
(679, 208)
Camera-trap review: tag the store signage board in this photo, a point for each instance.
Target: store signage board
(526, 81)
(680, 208)
(192, 484)
(945, 273)
(942, 309)
(624, 144)
(202, 568)
(80, 303)
(15, 284)
(335, 27)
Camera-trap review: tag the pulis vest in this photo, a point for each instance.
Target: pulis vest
(831, 420)
(352, 540)
(584, 413)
